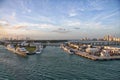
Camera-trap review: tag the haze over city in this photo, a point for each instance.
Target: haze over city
(60, 19)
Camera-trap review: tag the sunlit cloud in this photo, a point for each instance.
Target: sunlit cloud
(19, 27)
(33, 26)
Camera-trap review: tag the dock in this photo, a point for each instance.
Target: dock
(92, 57)
(17, 52)
(21, 54)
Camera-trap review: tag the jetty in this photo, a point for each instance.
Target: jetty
(21, 53)
(92, 57)
(93, 52)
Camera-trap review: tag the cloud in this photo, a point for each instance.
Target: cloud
(19, 27)
(3, 22)
(103, 16)
(72, 23)
(72, 14)
(13, 16)
(93, 25)
(24, 6)
(61, 30)
(77, 25)
(33, 26)
(3, 31)
(29, 10)
(95, 5)
(89, 5)
(81, 9)
(77, 28)
(110, 15)
(39, 18)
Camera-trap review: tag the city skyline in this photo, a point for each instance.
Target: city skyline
(60, 19)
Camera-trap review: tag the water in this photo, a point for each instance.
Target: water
(55, 64)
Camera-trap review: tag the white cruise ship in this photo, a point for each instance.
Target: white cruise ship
(21, 51)
(39, 49)
(10, 47)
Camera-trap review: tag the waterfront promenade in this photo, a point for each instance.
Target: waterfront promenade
(92, 57)
(95, 53)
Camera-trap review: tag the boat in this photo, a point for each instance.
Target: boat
(10, 47)
(21, 51)
(65, 48)
(105, 53)
(39, 49)
(70, 51)
(31, 53)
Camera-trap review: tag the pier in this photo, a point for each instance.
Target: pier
(98, 55)
(92, 57)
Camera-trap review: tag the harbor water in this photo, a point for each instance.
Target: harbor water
(55, 64)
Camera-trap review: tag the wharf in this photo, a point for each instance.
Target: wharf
(21, 53)
(92, 57)
(17, 52)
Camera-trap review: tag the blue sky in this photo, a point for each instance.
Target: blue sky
(60, 19)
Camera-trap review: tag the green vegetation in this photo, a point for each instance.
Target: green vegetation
(31, 49)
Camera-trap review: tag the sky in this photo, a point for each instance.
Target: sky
(59, 19)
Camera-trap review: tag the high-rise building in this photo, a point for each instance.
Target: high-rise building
(111, 38)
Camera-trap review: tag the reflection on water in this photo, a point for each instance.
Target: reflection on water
(55, 64)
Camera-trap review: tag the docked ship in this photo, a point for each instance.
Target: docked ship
(71, 51)
(67, 49)
(21, 51)
(39, 49)
(10, 47)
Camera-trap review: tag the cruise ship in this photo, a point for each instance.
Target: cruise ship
(21, 51)
(39, 49)
(67, 49)
(10, 47)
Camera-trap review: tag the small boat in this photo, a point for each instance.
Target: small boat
(71, 51)
(31, 53)
(39, 49)
(11, 47)
(65, 49)
(21, 51)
